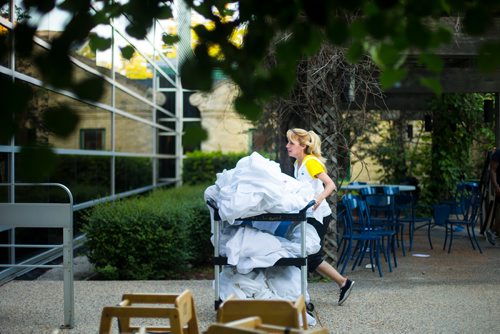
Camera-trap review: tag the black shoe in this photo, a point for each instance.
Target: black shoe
(345, 291)
(490, 237)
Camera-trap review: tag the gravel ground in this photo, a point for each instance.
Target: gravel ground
(442, 293)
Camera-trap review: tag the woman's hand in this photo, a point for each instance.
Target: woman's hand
(329, 188)
(318, 202)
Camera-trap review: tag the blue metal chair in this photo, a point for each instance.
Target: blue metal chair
(462, 197)
(470, 215)
(381, 201)
(406, 207)
(361, 231)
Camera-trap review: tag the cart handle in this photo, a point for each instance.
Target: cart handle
(213, 205)
(311, 203)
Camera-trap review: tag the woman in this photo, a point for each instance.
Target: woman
(305, 147)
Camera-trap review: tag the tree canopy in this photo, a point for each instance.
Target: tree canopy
(385, 30)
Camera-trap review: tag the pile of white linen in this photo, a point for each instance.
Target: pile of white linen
(248, 248)
(256, 186)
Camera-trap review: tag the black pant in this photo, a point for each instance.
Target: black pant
(314, 260)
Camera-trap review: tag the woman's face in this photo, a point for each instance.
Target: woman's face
(295, 150)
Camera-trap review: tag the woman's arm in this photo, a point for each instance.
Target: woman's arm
(329, 188)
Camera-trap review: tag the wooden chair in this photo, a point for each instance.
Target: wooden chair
(254, 325)
(177, 308)
(271, 311)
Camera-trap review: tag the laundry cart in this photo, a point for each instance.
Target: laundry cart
(301, 261)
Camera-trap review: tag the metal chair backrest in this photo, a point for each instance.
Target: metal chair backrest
(355, 206)
(463, 196)
(440, 212)
(381, 200)
(472, 209)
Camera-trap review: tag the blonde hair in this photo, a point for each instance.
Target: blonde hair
(308, 138)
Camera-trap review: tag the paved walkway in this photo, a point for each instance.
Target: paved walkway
(442, 293)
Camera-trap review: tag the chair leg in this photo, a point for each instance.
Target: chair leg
(393, 245)
(382, 246)
(342, 252)
(402, 237)
(411, 233)
(377, 257)
(445, 235)
(470, 237)
(429, 233)
(347, 257)
(387, 253)
(477, 242)
(361, 255)
(451, 238)
(371, 254)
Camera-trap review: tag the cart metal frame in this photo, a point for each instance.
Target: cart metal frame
(220, 261)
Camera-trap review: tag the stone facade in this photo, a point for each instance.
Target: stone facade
(227, 131)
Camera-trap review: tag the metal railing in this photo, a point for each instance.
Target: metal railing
(44, 215)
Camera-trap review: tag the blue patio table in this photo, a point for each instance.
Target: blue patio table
(402, 187)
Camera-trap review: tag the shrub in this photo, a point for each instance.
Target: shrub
(202, 167)
(153, 237)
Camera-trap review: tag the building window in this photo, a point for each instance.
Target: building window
(92, 139)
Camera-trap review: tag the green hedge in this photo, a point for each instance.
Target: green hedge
(202, 167)
(153, 237)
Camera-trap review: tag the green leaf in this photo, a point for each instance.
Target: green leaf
(442, 35)
(386, 4)
(24, 39)
(489, 57)
(313, 42)
(194, 135)
(357, 30)
(355, 52)
(316, 11)
(418, 34)
(170, 39)
(445, 5)
(36, 163)
(247, 108)
(196, 75)
(337, 32)
(387, 56)
(201, 31)
(376, 25)
(138, 30)
(477, 19)
(43, 6)
(99, 43)
(73, 5)
(127, 52)
(431, 62)
(62, 121)
(389, 77)
(56, 67)
(90, 89)
(15, 97)
(433, 84)
(164, 13)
